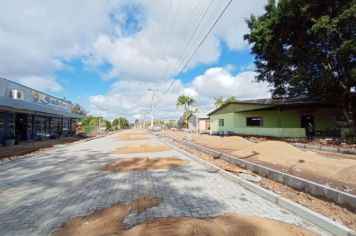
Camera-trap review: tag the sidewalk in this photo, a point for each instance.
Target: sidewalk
(27, 147)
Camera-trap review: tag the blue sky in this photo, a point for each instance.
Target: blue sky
(107, 58)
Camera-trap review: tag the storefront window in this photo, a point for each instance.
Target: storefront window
(29, 124)
(55, 126)
(11, 123)
(1, 123)
(40, 125)
(65, 126)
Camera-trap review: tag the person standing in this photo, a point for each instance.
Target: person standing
(309, 131)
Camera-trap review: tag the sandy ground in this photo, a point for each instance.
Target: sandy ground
(109, 221)
(140, 148)
(337, 172)
(133, 136)
(138, 164)
(339, 214)
(32, 148)
(286, 155)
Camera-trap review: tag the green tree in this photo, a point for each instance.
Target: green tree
(307, 48)
(108, 126)
(220, 101)
(76, 108)
(186, 101)
(90, 123)
(120, 122)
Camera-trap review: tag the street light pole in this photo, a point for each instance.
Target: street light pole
(152, 104)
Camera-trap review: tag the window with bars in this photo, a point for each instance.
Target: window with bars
(254, 121)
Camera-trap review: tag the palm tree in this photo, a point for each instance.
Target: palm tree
(230, 99)
(219, 102)
(186, 101)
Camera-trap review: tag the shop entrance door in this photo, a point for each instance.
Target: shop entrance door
(306, 119)
(21, 126)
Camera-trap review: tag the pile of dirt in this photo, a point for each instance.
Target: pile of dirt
(226, 143)
(325, 208)
(292, 158)
(145, 163)
(140, 148)
(109, 221)
(133, 136)
(338, 171)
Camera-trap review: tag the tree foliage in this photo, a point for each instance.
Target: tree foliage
(220, 101)
(108, 126)
(120, 122)
(186, 101)
(307, 48)
(90, 123)
(76, 108)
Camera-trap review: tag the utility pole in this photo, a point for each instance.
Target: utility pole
(143, 119)
(152, 104)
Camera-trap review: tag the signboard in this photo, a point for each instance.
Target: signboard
(45, 99)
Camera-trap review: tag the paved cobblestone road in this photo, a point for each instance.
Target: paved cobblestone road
(39, 193)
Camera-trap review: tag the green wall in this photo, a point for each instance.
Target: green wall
(284, 124)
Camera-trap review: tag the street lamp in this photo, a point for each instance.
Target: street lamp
(152, 104)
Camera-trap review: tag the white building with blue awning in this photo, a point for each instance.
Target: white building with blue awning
(28, 114)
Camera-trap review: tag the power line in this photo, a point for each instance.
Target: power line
(184, 31)
(183, 52)
(195, 50)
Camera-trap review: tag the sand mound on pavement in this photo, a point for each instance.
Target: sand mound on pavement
(140, 148)
(288, 156)
(137, 164)
(109, 221)
(131, 137)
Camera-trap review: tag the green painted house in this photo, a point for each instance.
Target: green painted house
(277, 117)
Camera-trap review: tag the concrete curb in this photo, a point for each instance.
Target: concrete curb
(314, 217)
(325, 148)
(315, 189)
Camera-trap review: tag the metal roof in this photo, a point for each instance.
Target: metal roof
(274, 102)
(34, 101)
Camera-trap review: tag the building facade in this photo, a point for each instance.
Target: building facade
(28, 114)
(277, 118)
(198, 122)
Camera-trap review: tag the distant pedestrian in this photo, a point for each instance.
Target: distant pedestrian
(309, 131)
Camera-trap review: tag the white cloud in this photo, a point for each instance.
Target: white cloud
(36, 37)
(142, 42)
(132, 99)
(216, 82)
(41, 83)
(169, 27)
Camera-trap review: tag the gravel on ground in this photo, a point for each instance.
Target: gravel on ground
(328, 209)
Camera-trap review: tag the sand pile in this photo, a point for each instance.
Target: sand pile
(223, 143)
(138, 164)
(131, 137)
(227, 143)
(140, 148)
(109, 221)
(292, 158)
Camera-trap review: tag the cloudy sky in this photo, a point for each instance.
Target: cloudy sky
(106, 54)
